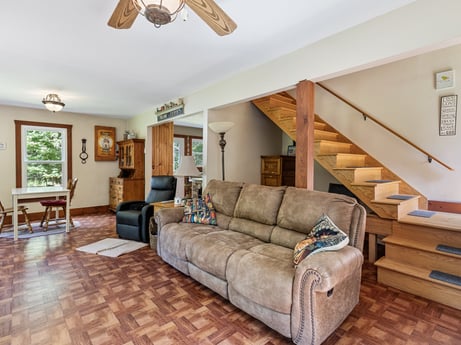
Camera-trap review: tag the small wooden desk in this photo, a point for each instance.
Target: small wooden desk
(20, 195)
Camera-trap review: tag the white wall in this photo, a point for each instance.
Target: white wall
(253, 135)
(93, 185)
(402, 95)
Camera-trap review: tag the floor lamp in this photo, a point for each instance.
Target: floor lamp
(221, 128)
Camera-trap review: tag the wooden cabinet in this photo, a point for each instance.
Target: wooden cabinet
(129, 185)
(278, 170)
(125, 189)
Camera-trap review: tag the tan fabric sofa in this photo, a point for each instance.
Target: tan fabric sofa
(248, 257)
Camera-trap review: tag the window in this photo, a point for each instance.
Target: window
(43, 154)
(187, 145)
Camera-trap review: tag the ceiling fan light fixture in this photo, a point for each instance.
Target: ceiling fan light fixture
(159, 12)
(53, 102)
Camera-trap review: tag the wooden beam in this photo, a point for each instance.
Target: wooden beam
(305, 118)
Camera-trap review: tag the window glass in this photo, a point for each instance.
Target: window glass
(44, 156)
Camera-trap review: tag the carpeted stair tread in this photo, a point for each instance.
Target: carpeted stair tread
(448, 249)
(446, 277)
(400, 197)
(421, 213)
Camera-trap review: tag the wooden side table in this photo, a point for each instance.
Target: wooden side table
(152, 225)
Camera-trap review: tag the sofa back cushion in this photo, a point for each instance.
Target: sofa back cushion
(259, 203)
(224, 195)
(301, 208)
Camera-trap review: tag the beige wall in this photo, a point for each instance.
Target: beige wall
(253, 135)
(93, 184)
(402, 95)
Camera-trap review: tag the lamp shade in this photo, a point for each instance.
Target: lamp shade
(220, 127)
(187, 167)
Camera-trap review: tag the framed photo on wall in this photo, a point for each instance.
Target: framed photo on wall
(104, 143)
(448, 109)
(291, 151)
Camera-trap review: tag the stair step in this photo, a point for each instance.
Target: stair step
(284, 113)
(448, 249)
(418, 282)
(320, 125)
(285, 97)
(328, 146)
(357, 175)
(440, 220)
(421, 254)
(446, 277)
(343, 160)
(325, 135)
(279, 102)
(376, 191)
(395, 208)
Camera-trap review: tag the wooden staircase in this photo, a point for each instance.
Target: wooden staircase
(389, 197)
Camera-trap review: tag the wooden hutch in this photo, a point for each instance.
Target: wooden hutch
(278, 170)
(129, 185)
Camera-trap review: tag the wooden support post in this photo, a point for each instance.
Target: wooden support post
(305, 118)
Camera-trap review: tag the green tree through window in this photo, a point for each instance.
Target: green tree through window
(44, 158)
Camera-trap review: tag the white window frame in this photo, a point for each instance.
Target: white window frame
(25, 162)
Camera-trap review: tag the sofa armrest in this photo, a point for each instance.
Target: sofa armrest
(168, 215)
(326, 288)
(331, 267)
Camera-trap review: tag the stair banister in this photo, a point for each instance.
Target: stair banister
(368, 116)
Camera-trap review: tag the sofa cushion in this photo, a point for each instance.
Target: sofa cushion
(199, 211)
(260, 231)
(211, 252)
(263, 274)
(324, 236)
(174, 237)
(259, 203)
(300, 209)
(224, 195)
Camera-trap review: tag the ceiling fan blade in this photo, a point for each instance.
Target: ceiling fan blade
(213, 15)
(124, 15)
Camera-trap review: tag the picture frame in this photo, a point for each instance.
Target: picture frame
(104, 143)
(448, 110)
(291, 151)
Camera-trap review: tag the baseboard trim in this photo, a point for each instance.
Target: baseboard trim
(444, 206)
(82, 211)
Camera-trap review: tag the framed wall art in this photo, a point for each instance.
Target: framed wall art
(104, 143)
(448, 109)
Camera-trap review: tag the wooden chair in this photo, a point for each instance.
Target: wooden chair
(5, 211)
(57, 204)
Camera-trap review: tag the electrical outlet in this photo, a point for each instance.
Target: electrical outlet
(2, 146)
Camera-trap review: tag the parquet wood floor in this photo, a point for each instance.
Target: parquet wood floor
(52, 294)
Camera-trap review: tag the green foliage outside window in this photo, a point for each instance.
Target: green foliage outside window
(44, 158)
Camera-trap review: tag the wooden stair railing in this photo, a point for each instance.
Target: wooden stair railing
(366, 115)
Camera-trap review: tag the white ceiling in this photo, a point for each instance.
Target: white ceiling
(66, 47)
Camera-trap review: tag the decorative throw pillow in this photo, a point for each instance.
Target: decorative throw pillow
(325, 235)
(199, 211)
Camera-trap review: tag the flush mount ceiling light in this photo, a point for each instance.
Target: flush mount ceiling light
(53, 102)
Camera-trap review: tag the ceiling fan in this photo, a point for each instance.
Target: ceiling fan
(161, 12)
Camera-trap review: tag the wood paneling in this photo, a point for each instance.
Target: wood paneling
(162, 149)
